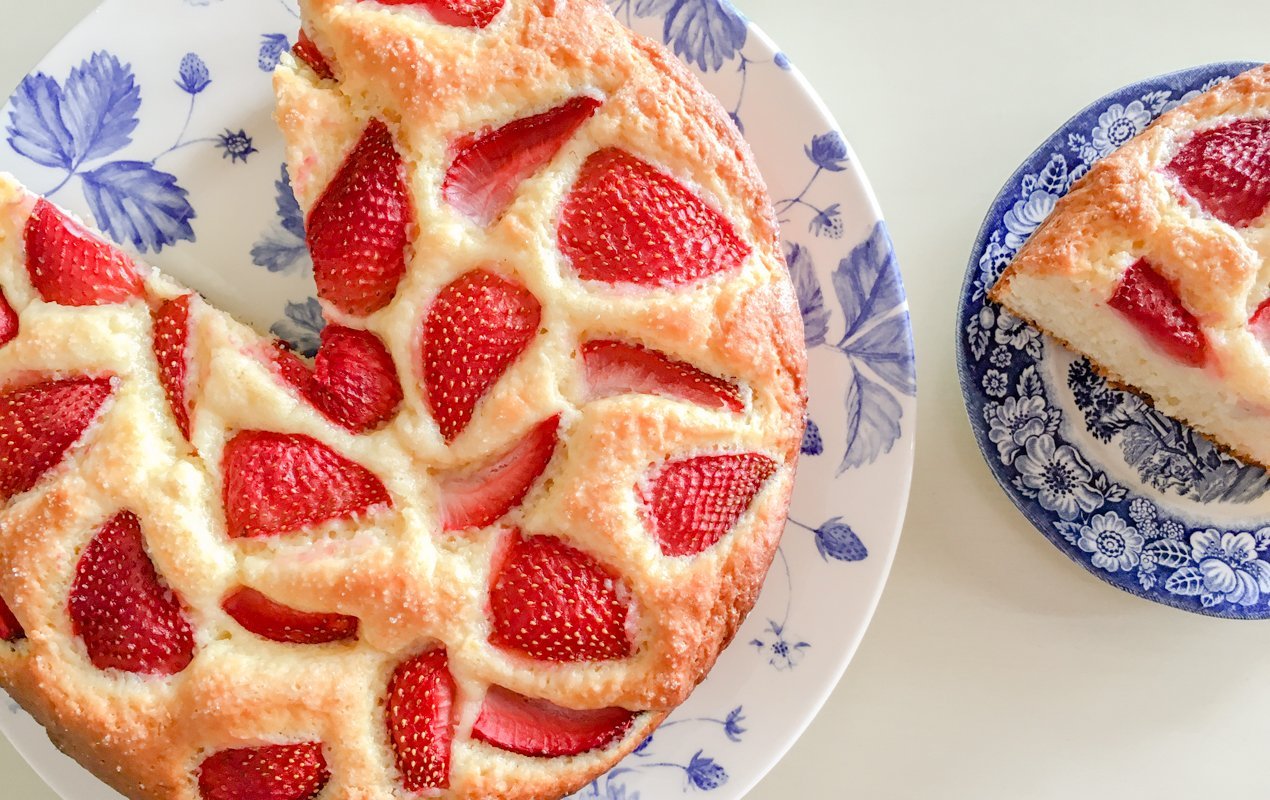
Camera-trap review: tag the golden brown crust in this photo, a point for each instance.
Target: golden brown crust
(411, 588)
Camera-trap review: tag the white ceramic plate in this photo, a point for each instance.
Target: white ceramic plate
(186, 168)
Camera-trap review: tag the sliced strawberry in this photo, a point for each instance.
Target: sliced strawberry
(693, 503)
(478, 496)
(40, 423)
(556, 603)
(353, 382)
(621, 368)
(421, 720)
(359, 227)
(475, 329)
(280, 623)
(126, 617)
(72, 266)
(8, 320)
(10, 628)
(275, 483)
(624, 221)
(1146, 299)
(171, 341)
(487, 169)
(306, 51)
(534, 727)
(1227, 170)
(460, 13)
(271, 772)
(1260, 322)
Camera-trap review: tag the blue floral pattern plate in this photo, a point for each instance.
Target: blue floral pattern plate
(1134, 496)
(154, 119)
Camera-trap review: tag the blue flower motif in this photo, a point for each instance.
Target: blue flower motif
(1118, 124)
(836, 540)
(827, 222)
(1112, 544)
(1016, 333)
(704, 773)
(235, 146)
(302, 328)
(812, 444)
(996, 383)
(192, 76)
(782, 61)
(1000, 357)
(828, 151)
(732, 724)
(272, 46)
(1229, 565)
(782, 653)
(708, 33)
(1057, 477)
(1015, 420)
(1026, 216)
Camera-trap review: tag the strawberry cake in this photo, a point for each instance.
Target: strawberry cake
(504, 521)
(1155, 265)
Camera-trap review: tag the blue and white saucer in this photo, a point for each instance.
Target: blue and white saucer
(1135, 497)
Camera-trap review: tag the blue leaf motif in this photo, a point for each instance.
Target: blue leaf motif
(811, 300)
(1170, 553)
(888, 350)
(1187, 581)
(708, 33)
(835, 539)
(289, 212)
(35, 128)
(100, 106)
(134, 202)
(867, 282)
(302, 328)
(873, 422)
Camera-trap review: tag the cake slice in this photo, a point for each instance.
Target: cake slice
(1154, 265)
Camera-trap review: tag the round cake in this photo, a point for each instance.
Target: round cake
(509, 515)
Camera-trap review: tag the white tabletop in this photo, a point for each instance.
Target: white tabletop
(995, 668)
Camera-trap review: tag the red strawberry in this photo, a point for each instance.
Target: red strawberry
(276, 483)
(10, 628)
(625, 221)
(476, 497)
(40, 423)
(306, 51)
(421, 720)
(72, 266)
(280, 623)
(359, 227)
(461, 13)
(693, 503)
(533, 727)
(1146, 299)
(554, 602)
(475, 329)
(8, 320)
(171, 340)
(353, 382)
(127, 619)
(620, 368)
(271, 772)
(1260, 322)
(487, 169)
(1227, 170)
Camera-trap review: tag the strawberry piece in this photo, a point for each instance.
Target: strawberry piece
(554, 602)
(127, 619)
(72, 266)
(275, 483)
(476, 497)
(358, 229)
(624, 221)
(8, 321)
(534, 727)
(1259, 322)
(353, 382)
(1227, 170)
(693, 503)
(487, 169)
(420, 718)
(620, 368)
(307, 52)
(171, 343)
(271, 772)
(280, 623)
(10, 628)
(40, 423)
(460, 13)
(477, 326)
(1146, 299)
